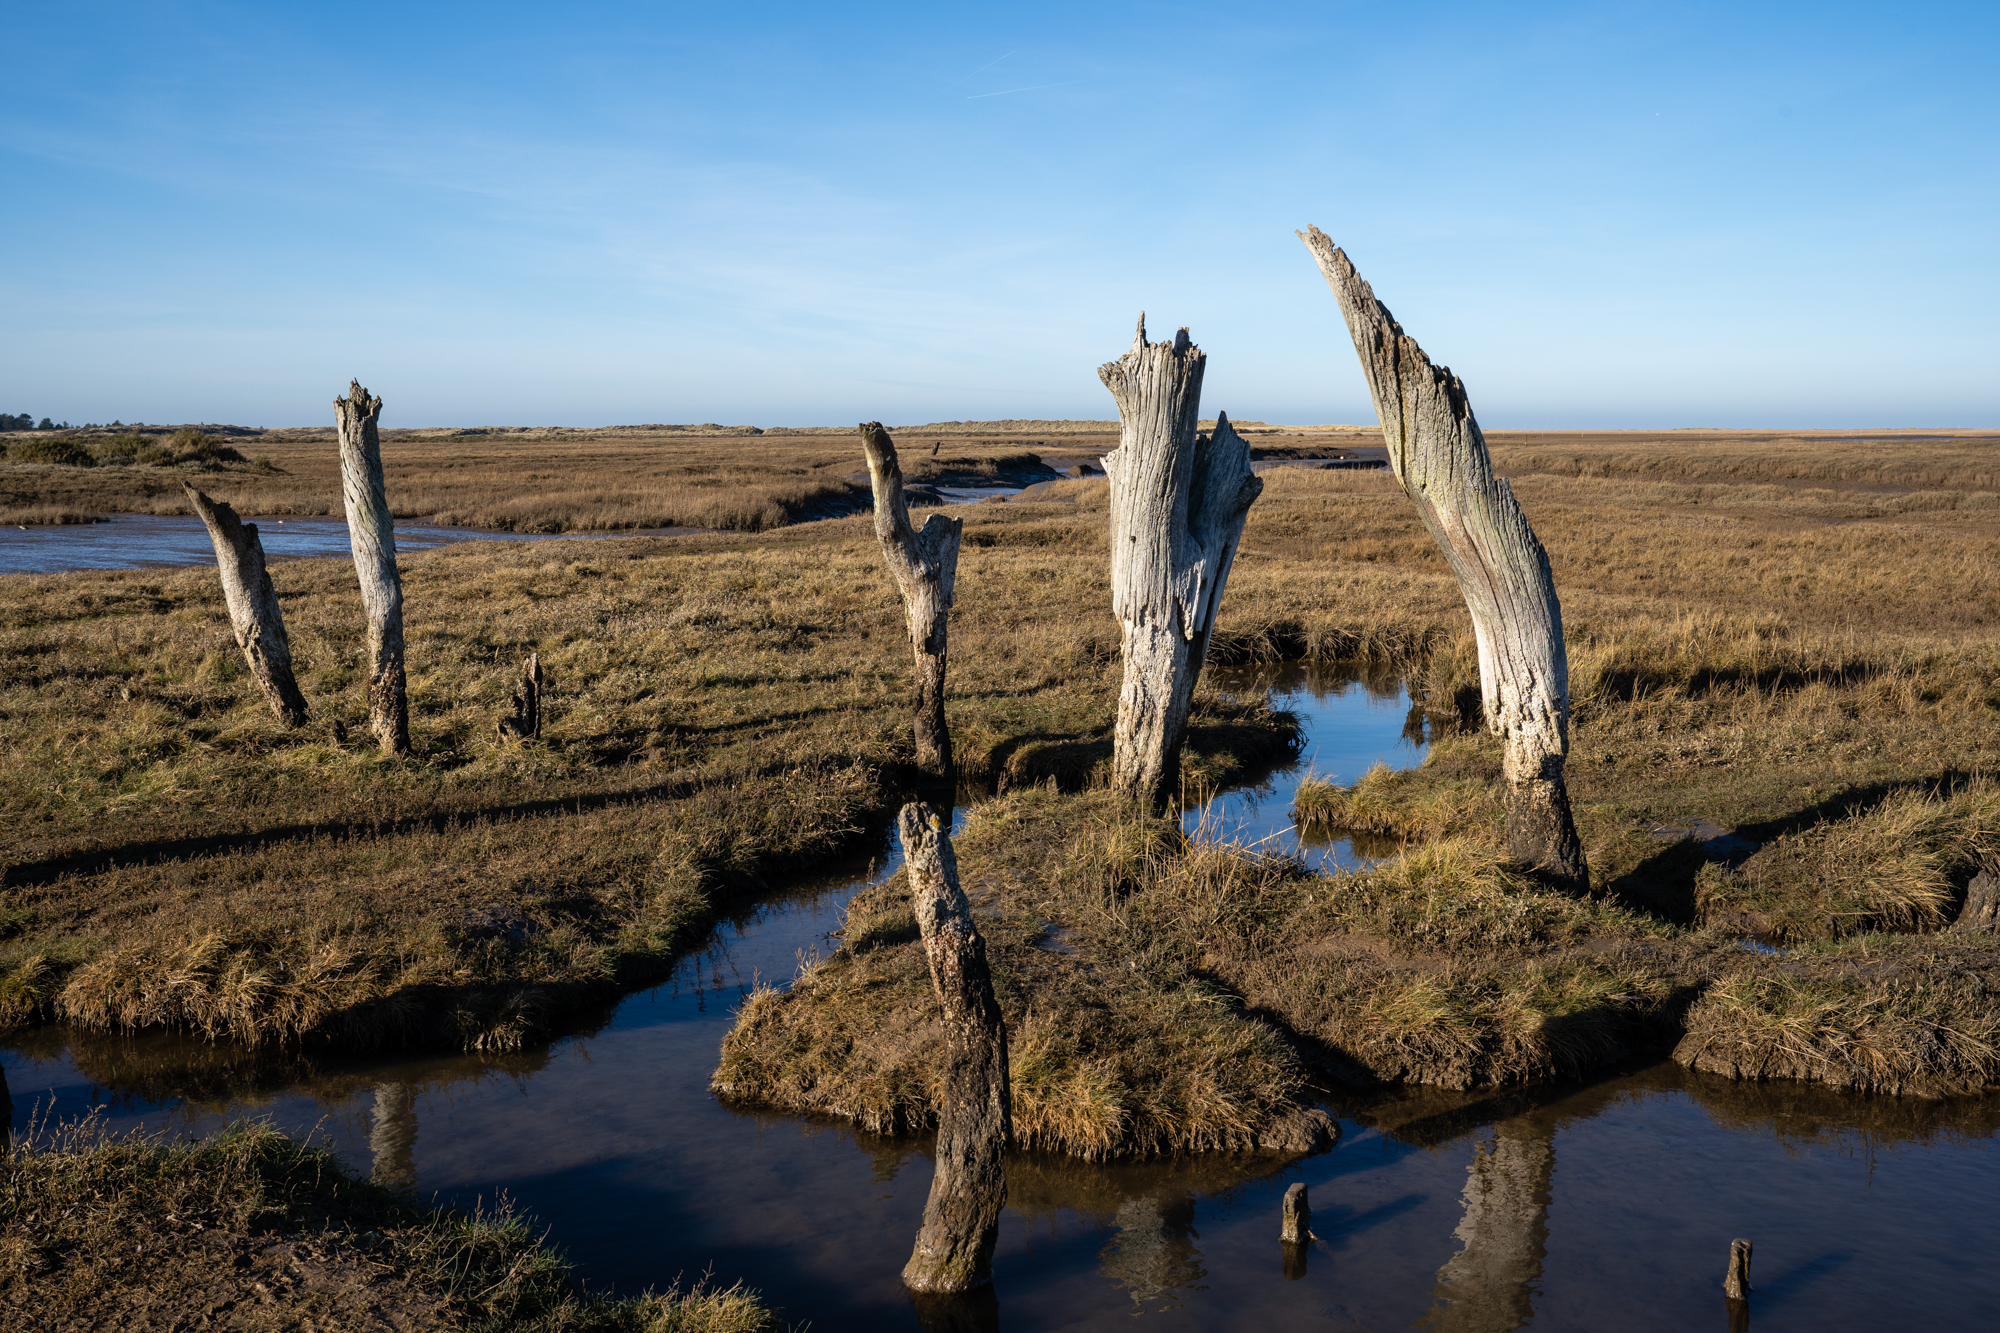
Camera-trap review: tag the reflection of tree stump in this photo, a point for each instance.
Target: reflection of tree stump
(1440, 457)
(1178, 503)
(392, 1136)
(1489, 1285)
(371, 533)
(924, 566)
(1154, 1253)
(254, 616)
(954, 1249)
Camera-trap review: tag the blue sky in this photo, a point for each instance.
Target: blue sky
(1611, 215)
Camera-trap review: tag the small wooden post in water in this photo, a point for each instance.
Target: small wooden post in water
(371, 533)
(954, 1249)
(1178, 502)
(526, 724)
(1298, 1216)
(924, 565)
(1736, 1286)
(254, 616)
(1440, 457)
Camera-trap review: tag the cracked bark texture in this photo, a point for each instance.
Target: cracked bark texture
(924, 566)
(1178, 502)
(371, 534)
(1440, 457)
(954, 1249)
(254, 616)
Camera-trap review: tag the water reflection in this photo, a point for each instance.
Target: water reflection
(1489, 1286)
(392, 1137)
(1354, 716)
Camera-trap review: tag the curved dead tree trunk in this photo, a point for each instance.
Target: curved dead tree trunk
(1489, 1285)
(954, 1250)
(371, 533)
(924, 565)
(1178, 502)
(1440, 457)
(254, 617)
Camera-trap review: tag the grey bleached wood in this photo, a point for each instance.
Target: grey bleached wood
(1178, 502)
(371, 533)
(1439, 455)
(954, 1249)
(254, 615)
(924, 565)
(1736, 1283)
(526, 723)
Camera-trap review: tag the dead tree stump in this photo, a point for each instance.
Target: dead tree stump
(1297, 1228)
(1178, 502)
(954, 1249)
(1440, 457)
(1982, 903)
(924, 565)
(371, 533)
(526, 724)
(254, 615)
(1736, 1286)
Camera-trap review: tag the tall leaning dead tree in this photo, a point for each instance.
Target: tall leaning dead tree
(1178, 502)
(371, 533)
(254, 616)
(1440, 458)
(924, 565)
(954, 1250)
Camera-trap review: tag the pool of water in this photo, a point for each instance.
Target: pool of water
(1352, 719)
(135, 541)
(1594, 1206)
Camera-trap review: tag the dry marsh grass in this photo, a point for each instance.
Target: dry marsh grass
(102, 1231)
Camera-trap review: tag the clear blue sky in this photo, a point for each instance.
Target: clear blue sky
(1599, 215)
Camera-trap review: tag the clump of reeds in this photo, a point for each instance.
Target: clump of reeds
(1899, 865)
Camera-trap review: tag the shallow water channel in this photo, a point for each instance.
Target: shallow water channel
(1608, 1205)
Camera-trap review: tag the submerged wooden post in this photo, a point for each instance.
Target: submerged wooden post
(1736, 1285)
(1178, 502)
(1297, 1228)
(371, 533)
(924, 565)
(254, 616)
(954, 1250)
(1440, 457)
(526, 724)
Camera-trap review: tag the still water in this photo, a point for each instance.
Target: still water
(1587, 1207)
(132, 541)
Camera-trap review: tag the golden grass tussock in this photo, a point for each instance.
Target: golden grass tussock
(117, 1231)
(1909, 1016)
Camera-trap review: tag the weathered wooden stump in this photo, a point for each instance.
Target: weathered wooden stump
(1178, 503)
(1440, 457)
(1736, 1285)
(526, 724)
(371, 533)
(254, 616)
(924, 566)
(1982, 903)
(954, 1249)
(1297, 1228)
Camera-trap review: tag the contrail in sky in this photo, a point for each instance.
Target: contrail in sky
(981, 70)
(974, 97)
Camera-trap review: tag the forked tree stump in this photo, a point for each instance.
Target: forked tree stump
(954, 1249)
(254, 616)
(1440, 457)
(924, 566)
(371, 533)
(1736, 1284)
(1178, 502)
(526, 724)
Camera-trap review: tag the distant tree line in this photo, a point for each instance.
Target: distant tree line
(26, 421)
